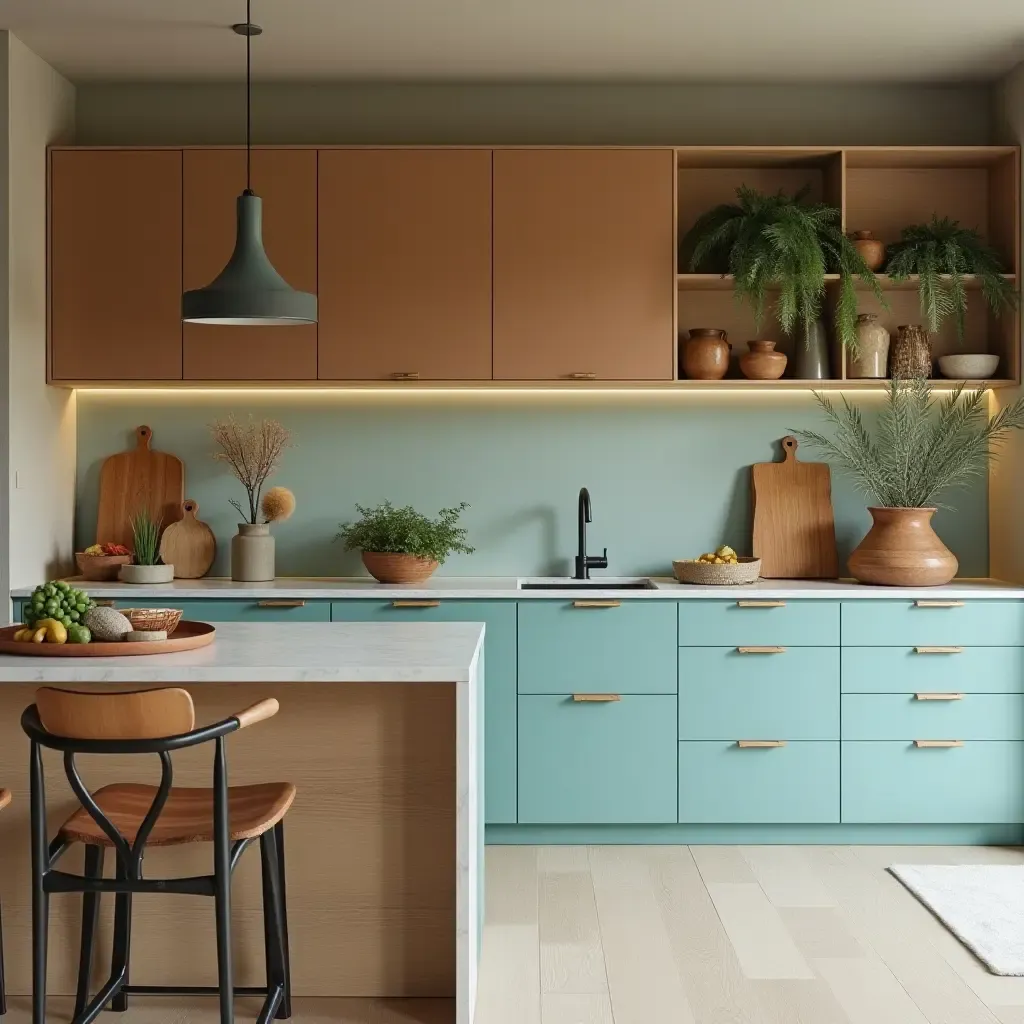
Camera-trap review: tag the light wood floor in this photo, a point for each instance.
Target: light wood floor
(692, 935)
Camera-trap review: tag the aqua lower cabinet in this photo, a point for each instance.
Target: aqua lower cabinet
(900, 782)
(730, 783)
(268, 610)
(933, 716)
(597, 762)
(932, 621)
(499, 681)
(937, 667)
(758, 621)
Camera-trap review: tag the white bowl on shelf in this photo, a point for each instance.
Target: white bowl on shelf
(964, 366)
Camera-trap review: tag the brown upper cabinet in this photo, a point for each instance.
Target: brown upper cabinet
(584, 264)
(115, 265)
(285, 179)
(405, 264)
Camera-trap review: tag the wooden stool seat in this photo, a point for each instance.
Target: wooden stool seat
(187, 816)
(5, 798)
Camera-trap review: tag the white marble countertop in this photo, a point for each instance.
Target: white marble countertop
(269, 652)
(508, 587)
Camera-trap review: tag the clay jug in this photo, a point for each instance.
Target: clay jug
(871, 249)
(704, 355)
(902, 550)
(762, 362)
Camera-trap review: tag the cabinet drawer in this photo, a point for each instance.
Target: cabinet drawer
(912, 623)
(499, 681)
(573, 646)
(905, 670)
(725, 694)
(597, 763)
(904, 716)
(978, 783)
(268, 610)
(757, 621)
(729, 784)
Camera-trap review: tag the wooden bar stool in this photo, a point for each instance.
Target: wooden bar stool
(5, 799)
(128, 817)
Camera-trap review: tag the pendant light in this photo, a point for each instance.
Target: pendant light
(248, 291)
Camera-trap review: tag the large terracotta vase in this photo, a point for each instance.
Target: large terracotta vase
(902, 550)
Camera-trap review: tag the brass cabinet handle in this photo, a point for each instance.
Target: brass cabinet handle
(414, 375)
(938, 696)
(759, 744)
(103, 604)
(939, 604)
(938, 650)
(938, 743)
(760, 604)
(282, 604)
(761, 650)
(596, 604)
(582, 376)
(415, 604)
(595, 698)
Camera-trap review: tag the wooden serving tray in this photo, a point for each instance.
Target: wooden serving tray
(187, 637)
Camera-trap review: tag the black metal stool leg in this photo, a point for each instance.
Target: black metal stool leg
(3, 988)
(122, 940)
(273, 933)
(222, 887)
(40, 923)
(285, 1010)
(90, 913)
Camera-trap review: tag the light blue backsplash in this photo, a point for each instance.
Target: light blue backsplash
(668, 473)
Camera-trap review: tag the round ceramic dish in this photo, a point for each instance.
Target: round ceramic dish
(962, 366)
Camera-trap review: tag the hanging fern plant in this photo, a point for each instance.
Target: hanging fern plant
(780, 243)
(941, 253)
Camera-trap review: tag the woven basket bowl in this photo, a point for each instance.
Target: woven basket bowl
(100, 568)
(709, 574)
(153, 618)
(388, 568)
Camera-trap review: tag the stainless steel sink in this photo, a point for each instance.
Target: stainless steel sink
(643, 584)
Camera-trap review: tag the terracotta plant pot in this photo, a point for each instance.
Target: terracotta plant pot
(388, 568)
(762, 362)
(704, 355)
(902, 550)
(871, 249)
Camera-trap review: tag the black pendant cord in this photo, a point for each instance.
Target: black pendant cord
(248, 98)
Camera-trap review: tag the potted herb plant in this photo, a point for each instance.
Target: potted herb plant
(146, 565)
(918, 449)
(401, 545)
(782, 244)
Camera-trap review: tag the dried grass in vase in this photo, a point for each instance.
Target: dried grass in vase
(252, 451)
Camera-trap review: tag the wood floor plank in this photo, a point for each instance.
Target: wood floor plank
(799, 1002)
(551, 859)
(575, 1008)
(571, 957)
(820, 932)
(786, 876)
(868, 992)
(511, 884)
(763, 947)
(721, 864)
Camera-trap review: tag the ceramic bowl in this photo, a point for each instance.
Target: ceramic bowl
(100, 568)
(962, 366)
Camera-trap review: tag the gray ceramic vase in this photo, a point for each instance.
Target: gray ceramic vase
(252, 553)
(810, 354)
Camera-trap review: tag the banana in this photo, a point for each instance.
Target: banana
(39, 636)
(21, 634)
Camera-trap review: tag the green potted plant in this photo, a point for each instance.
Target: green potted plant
(917, 449)
(782, 244)
(401, 545)
(146, 565)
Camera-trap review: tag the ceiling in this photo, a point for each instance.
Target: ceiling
(694, 40)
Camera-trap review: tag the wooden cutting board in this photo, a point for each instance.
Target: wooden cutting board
(135, 480)
(189, 545)
(794, 529)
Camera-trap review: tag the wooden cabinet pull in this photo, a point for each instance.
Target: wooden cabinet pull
(761, 650)
(596, 604)
(282, 604)
(595, 698)
(760, 604)
(759, 744)
(938, 743)
(103, 604)
(938, 696)
(405, 376)
(415, 604)
(939, 604)
(582, 376)
(938, 650)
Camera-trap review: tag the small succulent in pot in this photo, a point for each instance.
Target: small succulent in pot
(401, 545)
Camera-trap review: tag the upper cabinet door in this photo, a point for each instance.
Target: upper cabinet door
(405, 264)
(584, 264)
(285, 179)
(115, 265)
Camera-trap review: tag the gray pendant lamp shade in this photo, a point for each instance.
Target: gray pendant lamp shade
(249, 291)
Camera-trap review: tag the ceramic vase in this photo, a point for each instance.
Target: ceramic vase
(386, 567)
(872, 349)
(871, 249)
(902, 550)
(911, 353)
(810, 358)
(252, 553)
(704, 355)
(762, 362)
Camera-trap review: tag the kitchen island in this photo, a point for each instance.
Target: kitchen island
(380, 730)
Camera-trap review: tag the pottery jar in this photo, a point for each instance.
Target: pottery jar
(252, 553)
(871, 249)
(911, 353)
(902, 550)
(872, 348)
(762, 362)
(704, 355)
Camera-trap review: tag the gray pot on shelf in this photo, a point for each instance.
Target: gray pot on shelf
(252, 553)
(147, 574)
(810, 354)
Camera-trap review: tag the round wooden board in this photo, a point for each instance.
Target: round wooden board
(189, 544)
(187, 637)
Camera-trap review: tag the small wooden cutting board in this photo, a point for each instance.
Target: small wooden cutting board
(189, 545)
(794, 528)
(135, 480)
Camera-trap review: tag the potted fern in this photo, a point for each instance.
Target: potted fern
(401, 545)
(918, 449)
(782, 244)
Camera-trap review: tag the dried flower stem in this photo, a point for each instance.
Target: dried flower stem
(252, 452)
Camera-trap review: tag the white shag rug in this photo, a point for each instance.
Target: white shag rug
(982, 905)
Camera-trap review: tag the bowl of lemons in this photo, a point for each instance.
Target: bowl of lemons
(718, 568)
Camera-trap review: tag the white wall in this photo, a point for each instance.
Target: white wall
(40, 421)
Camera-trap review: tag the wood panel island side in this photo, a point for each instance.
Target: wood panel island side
(380, 729)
